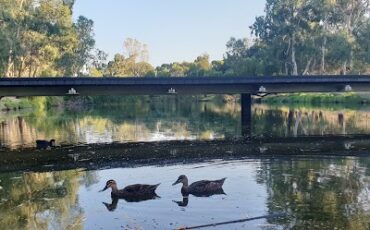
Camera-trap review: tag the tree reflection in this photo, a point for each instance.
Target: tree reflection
(41, 200)
(319, 194)
(161, 118)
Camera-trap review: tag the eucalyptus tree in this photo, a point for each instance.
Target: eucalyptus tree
(306, 37)
(135, 63)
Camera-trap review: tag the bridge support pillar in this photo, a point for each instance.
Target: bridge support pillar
(246, 115)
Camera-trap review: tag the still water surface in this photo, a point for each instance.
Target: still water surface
(311, 192)
(173, 119)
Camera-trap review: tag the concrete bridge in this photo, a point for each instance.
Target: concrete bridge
(246, 86)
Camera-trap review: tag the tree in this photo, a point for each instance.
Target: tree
(135, 65)
(136, 50)
(81, 57)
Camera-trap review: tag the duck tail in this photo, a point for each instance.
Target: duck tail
(154, 187)
(222, 180)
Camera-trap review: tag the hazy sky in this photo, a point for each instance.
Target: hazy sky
(174, 30)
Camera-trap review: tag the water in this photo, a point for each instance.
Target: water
(311, 192)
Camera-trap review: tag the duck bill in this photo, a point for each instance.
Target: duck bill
(105, 188)
(176, 182)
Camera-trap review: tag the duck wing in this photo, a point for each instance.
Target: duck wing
(206, 186)
(139, 189)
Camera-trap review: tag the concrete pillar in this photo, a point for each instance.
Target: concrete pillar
(246, 115)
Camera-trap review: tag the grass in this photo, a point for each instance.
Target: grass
(10, 103)
(317, 98)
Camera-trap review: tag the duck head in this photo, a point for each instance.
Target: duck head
(110, 184)
(182, 179)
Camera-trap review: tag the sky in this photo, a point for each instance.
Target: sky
(174, 30)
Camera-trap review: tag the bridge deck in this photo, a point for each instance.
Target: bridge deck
(180, 85)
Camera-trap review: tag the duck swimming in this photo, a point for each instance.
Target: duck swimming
(200, 188)
(132, 193)
(43, 144)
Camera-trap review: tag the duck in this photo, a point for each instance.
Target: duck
(43, 144)
(200, 188)
(132, 193)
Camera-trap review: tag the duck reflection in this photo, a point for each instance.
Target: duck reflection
(182, 203)
(185, 199)
(113, 205)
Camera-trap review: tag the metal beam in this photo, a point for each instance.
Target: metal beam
(185, 85)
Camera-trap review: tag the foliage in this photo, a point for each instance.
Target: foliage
(39, 38)
(134, 65)
(303, 38)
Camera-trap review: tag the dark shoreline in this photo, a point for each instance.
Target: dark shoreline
(98, 156)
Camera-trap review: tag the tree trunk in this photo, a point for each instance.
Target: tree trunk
(294, 62)
(322, 69)
(9, 65)
(306, 70)
(351, 61)
(20, 70)
(344, 68)
(35, 72)
(286, 68)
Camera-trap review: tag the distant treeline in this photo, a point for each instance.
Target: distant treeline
(295, 37)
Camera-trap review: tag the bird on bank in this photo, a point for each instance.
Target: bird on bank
(200, 188)
(135, 192)
(43, 144)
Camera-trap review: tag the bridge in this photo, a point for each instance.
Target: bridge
(88, 86)
(246, 86)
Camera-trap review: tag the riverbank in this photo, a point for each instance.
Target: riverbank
(317, 98)
(41, 103)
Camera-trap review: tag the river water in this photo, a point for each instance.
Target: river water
(306, 192)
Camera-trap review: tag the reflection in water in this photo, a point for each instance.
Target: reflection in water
(178, 120)
(185, 198)
(284, 121)
(41, 200)
(113, 205)
(182, 203)
(319, 193)
(326, 194)
(156, 120)
(315, 193)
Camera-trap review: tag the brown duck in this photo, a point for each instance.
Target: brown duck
(131, 192)
(200, 188)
